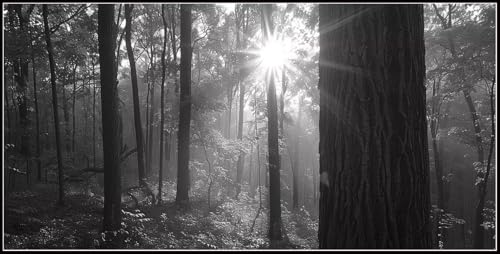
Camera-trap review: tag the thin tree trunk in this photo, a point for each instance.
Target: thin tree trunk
(146, 145)
(478, 233)
(183, 180)
(478, 241)
(174, 47)
(241, 157)
(295, 167)
(135, 94)
(151, 118)
(37, 120)
(93, 115)
(162, 102)
(7, 108)
(67, 135)
(21, 69)
(52, 66)
(434, 126)
(273, 147)
(73, 113)
(374, 164)
(110, 119)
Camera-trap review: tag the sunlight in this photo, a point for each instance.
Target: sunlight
(273, 55)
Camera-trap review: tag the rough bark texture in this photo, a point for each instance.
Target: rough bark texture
(135, 94)
(374, 184)
(272, 139)
(183, 181)
(52, 66)
(110, 119)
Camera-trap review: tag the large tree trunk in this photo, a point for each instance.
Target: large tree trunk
(110, 118)
(183, 180)
(135, 94)
(273, 147)
(241, 157)
(52, 66)
(374, 163)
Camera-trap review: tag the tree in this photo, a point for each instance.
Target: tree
(272, 137)
(55, 108)
(110, 118)
(470, 51)
(243, 12)
(183, 181)
(21, 76)
(373, 140)
(135, 94)
(162, 102)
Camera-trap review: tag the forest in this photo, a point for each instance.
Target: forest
(249, 126)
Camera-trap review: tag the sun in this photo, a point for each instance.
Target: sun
(271, 58)
(272, 54)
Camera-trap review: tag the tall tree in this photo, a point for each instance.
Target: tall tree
(459, 69)
(21, 76)
(373, 141)
(52, 66)
(183, 181)
(135, 94)
(73, 111)
(241, 10)
(110, 118)
(37, 118)
(272, 137)
(162, 102)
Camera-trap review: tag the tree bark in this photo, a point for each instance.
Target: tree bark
(52, 66)
(183, 180)
(374, 165)
(110, 118)
(135, 94)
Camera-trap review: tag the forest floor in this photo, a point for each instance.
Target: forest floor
(33, 220)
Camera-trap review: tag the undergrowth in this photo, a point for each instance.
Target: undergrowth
(33, 220)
